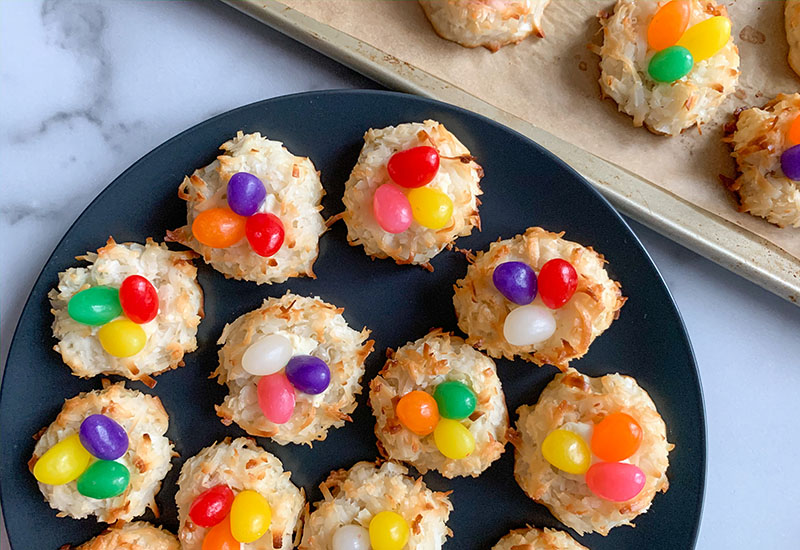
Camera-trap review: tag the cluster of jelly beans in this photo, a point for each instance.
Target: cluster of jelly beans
(99, 305)
(224, 227)
(614, 439)
(790, 159)
(100, 437)
(387, 531)
(530, 324)
(232, 519)
(451, 401)
(411, 169)
(678, 49)
(281, 373)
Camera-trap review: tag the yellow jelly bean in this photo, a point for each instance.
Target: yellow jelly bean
(388, 531)
(706, 38)
(250, 516)
(63, 462)
(122, 338)
(430, 207)
(453, 439)
(567, 451)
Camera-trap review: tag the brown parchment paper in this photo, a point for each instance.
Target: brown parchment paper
(552, 82)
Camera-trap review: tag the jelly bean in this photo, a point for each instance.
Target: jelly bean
(790, 163)
(276, 397)
(455, 400)
(63, 462)
(528, 325)
(418, 412)
(350, 537)
(250, 516)
(430, 207)
(218, 227)
(104, 479)
(95, 306)
(103, 437)
(794, 131)
(567, 451)
(707, 37)
(557, 282)
(670, 64)
(265, 233)
(413, 167)
(245, 193)
(308, 374)
(668, 24)
(122, 338)
(211, 506)
(516, 281)
(391, 208)
(220, 537)
(267, 356)
(453, 439)
(139, 299)
(615, 481)
(616, 437)
(388, 531)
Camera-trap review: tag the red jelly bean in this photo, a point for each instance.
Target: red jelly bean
(557, 283)
(264, 233)
(276, 397)
(413, 167)
(211, 506)
(139, 299)
(615, 481)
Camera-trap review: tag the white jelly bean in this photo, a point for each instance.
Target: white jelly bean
(528, 325)
(350, 537)
(268, 355)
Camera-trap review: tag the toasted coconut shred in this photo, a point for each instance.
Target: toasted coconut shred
(354, 496)
(758, 138)
(574, 399)
(422, 365)
(532, 538)
(294, 193)
(489, 23)
(481, 309)
(314, 328)
(458, 177)
(138, 535)
(664, 108)
(147, 458)
(169, 336)
(793, 33)
(241, 465)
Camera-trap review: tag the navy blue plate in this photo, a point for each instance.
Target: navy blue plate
(524, 186)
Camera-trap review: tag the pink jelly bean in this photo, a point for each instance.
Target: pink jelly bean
(276, 397)
(391, 208)
(615, 481)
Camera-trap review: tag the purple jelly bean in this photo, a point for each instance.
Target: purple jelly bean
(790, 163)
(245, 193)
(308, 374)
(103, 437)
(516, 281)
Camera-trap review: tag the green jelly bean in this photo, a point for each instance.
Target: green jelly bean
(95, 306)
(671, 64)
(455, 400)
(104, 479)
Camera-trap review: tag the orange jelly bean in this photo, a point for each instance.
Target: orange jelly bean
(219, 227)
(668, 24)
(417, 411)
(220, 537)
(794, 131)
(616, 437)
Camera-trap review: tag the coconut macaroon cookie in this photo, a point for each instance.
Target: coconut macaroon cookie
(377, 505)
(489, 23)
(439, 405)
(133, 311)
(668, 63)
(413, 191)
(254, 213)
(293, 369)
(536, 296)
(234, 494)
(592, 450)
(792, 15)
(138, 535)
(766, 146)
(104, 455)
(532, 538)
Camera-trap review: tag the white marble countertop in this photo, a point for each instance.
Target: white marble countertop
(87, 87)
